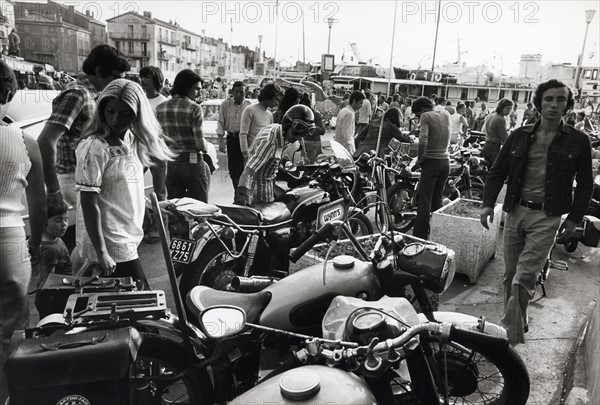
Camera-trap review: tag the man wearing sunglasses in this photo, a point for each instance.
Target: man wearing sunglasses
(256, 181)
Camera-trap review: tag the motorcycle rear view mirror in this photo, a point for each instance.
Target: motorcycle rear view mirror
(222, 321)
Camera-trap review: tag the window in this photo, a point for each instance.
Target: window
(130, 30)
(464, 93)
(130, 47)
(501, 94)
(160, 34)
(595, 74)
(515, 96)
(144, 31)
(483, 94)
(118, 46)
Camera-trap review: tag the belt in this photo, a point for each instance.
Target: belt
(532, 205)
(185, 156)
(234, 134)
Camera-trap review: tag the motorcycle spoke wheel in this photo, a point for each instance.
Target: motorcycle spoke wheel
(473, 193)
(472, 377)
(400, 201)
(158, 362)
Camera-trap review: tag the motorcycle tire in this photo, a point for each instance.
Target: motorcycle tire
(473, 193)
(399, 200)
(477, 377)
(360, 224)
(215, 268)
(158, 356)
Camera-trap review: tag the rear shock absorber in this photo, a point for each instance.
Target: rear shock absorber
(251, 252)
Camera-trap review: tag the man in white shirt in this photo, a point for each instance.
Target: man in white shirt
(364, 114)
(345, 128)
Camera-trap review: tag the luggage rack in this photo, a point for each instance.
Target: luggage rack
(124, 304)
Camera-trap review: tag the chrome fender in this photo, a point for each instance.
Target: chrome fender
(202, 240)
(467, 322)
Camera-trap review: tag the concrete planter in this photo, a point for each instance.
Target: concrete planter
(473, 244)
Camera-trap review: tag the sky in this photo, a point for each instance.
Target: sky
(495, 33)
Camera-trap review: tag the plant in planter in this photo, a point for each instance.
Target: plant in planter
(458, 227)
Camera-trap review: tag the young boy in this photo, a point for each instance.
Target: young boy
(54, 253)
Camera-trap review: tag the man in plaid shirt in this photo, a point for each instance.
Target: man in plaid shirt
(256, 182)
(71, 110)
(181, 119)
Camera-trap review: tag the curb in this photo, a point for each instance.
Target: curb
(575, 387)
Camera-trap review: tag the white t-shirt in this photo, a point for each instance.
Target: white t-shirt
(154, 102)
(455, 127)
(117, 175)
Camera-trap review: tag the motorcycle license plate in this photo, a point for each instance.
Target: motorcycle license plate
(181, 250)
(332, 211)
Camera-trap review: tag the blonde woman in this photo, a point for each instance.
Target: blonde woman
(121, 139)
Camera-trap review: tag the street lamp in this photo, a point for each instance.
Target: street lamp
(330, 22)
(260, 37)
(589, 16)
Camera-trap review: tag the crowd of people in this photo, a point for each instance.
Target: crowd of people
(105, 131)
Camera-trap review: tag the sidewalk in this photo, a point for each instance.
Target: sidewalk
(555, 321)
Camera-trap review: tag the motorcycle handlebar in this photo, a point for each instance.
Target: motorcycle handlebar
(445, 332)
(317, 236)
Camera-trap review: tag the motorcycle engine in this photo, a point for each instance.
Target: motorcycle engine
(279, 239)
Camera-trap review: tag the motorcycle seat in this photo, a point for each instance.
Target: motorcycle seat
(202, 297)
(260, 214)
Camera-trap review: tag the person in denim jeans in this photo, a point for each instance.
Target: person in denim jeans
(540, 162)
(188, 175)
(433, 160)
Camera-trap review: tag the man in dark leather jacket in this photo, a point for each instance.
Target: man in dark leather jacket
(540, 162)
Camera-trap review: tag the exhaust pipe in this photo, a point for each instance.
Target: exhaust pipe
(252, 284)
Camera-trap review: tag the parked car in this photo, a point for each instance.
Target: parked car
(29, 111)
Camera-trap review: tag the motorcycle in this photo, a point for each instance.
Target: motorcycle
(403, 195)
(146, 355)
(298, 303)
(216, 244)
(379, 353)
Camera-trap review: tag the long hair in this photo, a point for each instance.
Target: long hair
(503, 104)
(289, 99)
(149, 139)
(184, 81)
(392, 115)
(8, 83)
(547, 85)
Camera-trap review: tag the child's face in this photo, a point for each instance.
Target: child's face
(56, 226)
(118, 116)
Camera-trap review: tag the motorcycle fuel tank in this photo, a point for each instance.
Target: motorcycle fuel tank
(303, 202)
(300, 300)
(310, 385)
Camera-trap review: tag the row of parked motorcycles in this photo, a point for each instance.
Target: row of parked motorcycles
(245, 330)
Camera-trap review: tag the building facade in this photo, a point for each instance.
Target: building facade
(56, 34)
(145, 40)
(530, 66)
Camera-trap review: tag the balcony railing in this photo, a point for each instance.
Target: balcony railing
(189, 47)
(139, 54)
(163, 40)
(129, 35)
